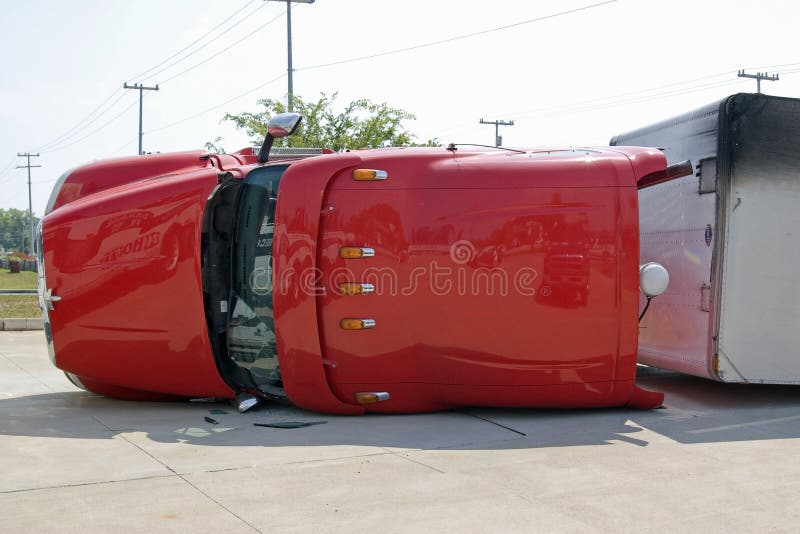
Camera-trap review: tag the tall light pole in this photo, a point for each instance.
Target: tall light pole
(289, 69)
(141, 89)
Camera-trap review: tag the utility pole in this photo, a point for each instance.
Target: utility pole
(141, 89)
(30, 202)
(498, 141)
(289, 69)
(760, 76)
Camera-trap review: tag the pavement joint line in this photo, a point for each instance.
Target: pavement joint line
(322, 460)
(82, 484)
(222, 470)
(492, 422)
(454, 446)
(387, 452)
(215, 501)
(187, 481)
(18, 366)
(744, 425)
(423, 464)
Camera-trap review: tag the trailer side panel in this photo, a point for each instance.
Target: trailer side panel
(677, 226)
(759, 338)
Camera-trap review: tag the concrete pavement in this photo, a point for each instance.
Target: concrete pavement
(719, 458)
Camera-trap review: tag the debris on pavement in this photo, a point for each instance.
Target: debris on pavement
(290, 424)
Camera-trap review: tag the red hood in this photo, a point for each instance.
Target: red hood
(125, 263)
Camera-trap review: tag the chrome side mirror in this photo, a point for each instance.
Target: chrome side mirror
(281, 125)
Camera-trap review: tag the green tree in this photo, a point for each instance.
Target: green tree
(13, 226)
(361, 124)
(215, 146)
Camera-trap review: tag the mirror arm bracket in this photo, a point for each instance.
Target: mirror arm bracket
(263, 154)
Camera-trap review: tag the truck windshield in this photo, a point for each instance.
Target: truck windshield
(251, 327)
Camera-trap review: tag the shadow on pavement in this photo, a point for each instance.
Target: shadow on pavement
(697, 411)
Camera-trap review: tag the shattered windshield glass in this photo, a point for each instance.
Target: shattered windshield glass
(251, 327)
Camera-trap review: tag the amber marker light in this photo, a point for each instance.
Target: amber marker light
(350, 288)
(369, 175)
(371, 397)
(354, 253)
(357, 324)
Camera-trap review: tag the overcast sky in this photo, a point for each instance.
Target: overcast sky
(573, 79)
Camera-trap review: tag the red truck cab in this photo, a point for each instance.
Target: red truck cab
(390, 280)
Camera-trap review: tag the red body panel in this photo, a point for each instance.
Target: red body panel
(499, 280)
(294, 255)
(502, 279)
(125, 264)
(574, 346)
(106, 174)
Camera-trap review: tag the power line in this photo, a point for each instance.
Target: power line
(458, 37)
(93, 132)
(49, 147)
(607, 102)
(773, 67)
(78, 125)
(83, 124)
(8, 166)
(216, 106)
(119, 149)
(5, 174)
(93, 116)
(204, 45)
(181, 73)
(580, 107)
(636, 93)
(145, 75)
(641, 94)
(599, 100)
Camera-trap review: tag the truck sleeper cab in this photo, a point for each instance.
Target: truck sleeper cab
(392, 280)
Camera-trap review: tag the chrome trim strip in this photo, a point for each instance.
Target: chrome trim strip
(75, 380)
(41, 287)
(367, 288)
(49, 299)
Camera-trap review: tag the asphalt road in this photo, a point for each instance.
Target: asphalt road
(718, 458)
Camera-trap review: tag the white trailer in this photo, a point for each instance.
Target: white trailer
(730, 238)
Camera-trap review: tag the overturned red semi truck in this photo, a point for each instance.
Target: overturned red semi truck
(389, 280)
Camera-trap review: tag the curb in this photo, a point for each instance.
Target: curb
(19, 324)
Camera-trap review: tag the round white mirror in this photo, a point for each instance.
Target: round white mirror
(653, 279)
